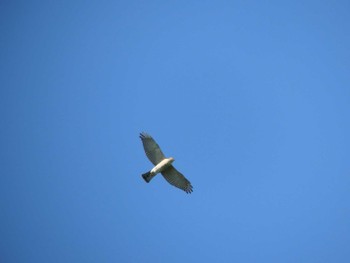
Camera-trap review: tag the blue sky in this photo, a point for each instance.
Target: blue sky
(252, 98)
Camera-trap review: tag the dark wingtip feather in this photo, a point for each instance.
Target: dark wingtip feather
(189, 189)
(144, 135)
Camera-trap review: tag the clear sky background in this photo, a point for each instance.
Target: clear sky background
(252, 98)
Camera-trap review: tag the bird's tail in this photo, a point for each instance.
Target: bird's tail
(147, 176)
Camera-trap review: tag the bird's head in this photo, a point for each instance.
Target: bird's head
(171, 159)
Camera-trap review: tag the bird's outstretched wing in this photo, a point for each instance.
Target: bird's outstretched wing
(152, 149)
(175, 178)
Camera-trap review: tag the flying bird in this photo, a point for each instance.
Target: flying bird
(162, 165)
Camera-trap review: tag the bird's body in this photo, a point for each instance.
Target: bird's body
(157, 169)
(162, 165)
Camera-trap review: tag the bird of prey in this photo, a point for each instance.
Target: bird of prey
(162, 165)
